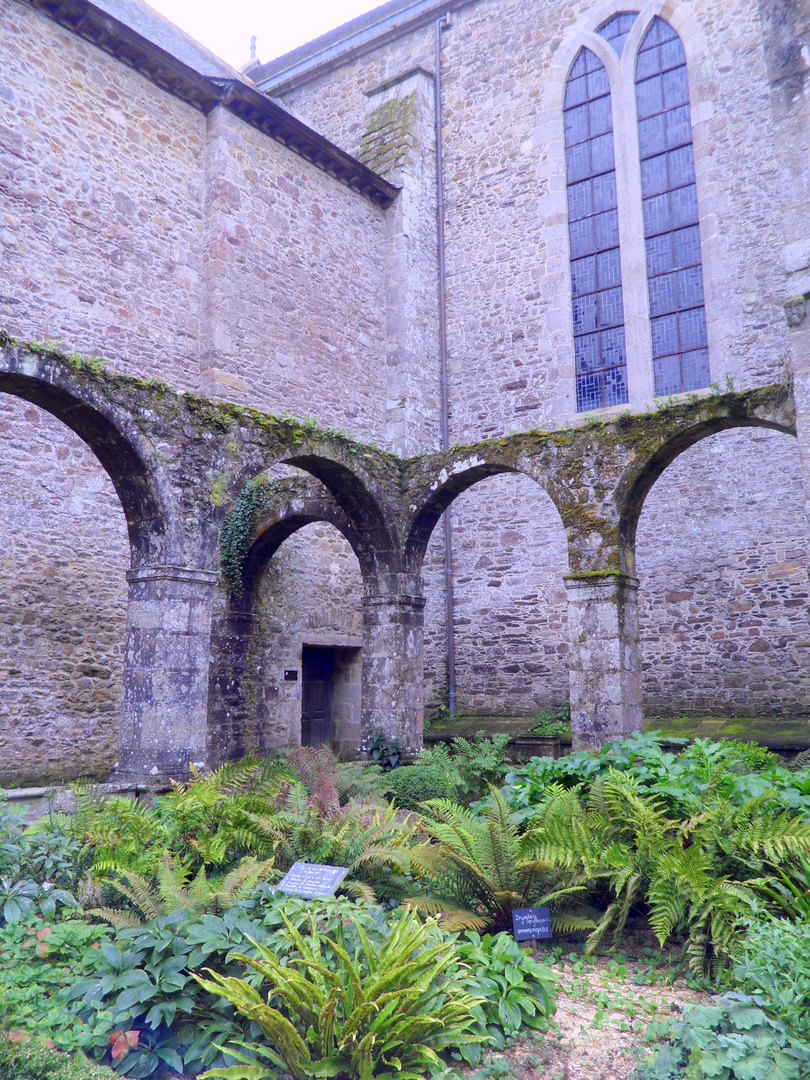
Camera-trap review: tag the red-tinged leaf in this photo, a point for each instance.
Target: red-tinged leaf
(19, 1036)
(42, 950)
(43, 933)
(123, 1042)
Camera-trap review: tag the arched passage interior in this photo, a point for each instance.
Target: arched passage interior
(63, 566)
(721, 554)
(511, 634)
(288, 649)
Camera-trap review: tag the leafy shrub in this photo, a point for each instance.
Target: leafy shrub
(517, 991)
(749, 756)
(775, 965)
(38, 961)
(478, 870)
(385, 750)
(32, 869)
(682, 781)
(381, 1012)
(548, 723)
(733, 1039)
(128, 999)
(33, 1061)
(411, 785)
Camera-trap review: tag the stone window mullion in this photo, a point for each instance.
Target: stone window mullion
(631, 236)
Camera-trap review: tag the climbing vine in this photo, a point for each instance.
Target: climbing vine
(239, 527)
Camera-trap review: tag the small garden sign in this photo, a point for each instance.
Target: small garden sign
(311, 879)
(531, 923)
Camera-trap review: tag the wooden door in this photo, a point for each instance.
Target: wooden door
(316, 696)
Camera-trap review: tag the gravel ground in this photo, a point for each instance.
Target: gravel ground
(602, 1018)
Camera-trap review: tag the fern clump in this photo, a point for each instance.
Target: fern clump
(696, 875)
(478, 869)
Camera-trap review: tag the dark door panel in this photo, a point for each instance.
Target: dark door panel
(316, 696)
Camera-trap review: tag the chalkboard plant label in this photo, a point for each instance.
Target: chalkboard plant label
(311, 879)
(531, 923)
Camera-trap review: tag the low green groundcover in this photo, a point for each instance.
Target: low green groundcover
(34, 1061)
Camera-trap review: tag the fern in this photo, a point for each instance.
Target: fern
(477, 870)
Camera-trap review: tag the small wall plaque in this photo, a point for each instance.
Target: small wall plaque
(311, 879)
(531, 923)
(290, 676)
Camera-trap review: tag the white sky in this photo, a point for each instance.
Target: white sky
(226, 26)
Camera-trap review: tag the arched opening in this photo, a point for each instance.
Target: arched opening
(64, 553)
(721, 550)
(307, 620)
(288, 650)
(510, 624)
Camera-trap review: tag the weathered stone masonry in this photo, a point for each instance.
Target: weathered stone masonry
(176, 687)
(158, 211)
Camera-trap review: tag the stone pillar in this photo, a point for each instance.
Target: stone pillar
(393, 694)
(164, 710)
(604, 666)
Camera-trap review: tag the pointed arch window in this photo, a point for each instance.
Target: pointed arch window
(656, 76)
(593, 227)
(671, 225)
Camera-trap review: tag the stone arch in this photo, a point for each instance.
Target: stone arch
(637, 487)
(251, 707)
(303, 505)
(510, 559)
(114, 440)
(722, 568)
(454, 479)
(360, 501)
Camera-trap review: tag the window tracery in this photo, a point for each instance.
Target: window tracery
(655, 79)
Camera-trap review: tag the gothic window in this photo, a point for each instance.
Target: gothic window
(671, 228)
(656, 78)
(593, 225)
(615, 30)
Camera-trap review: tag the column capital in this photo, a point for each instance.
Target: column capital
(600, 579)
(165, 572)
(406, 601)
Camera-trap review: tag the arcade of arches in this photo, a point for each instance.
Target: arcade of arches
(339, 553)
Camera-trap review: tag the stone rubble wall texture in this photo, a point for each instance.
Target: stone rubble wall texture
(310, 594)
(510, 368)
(201, 252)
(63, 559)
(190, 249)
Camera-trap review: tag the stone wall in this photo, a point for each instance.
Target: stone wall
(62, 580)
(509, 310)
(193, 249)
(722, 558)
(171, 244)
(198, 250)
(310, 594)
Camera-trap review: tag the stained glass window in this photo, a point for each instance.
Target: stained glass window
(671, 229)
(616, 29)
(593, 226)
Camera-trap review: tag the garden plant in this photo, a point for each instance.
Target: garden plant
(150, 939)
